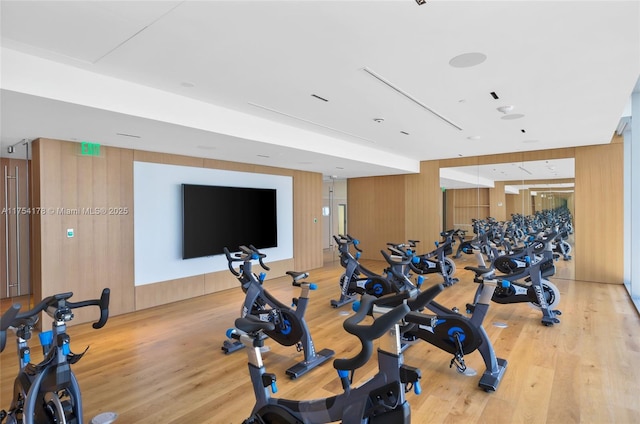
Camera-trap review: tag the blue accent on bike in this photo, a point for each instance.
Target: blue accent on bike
(458, 330)
(527, 260)
(505, 283)
(417, 388)
(415, 260)
(358, 255)
(409, 252)
(66, 349)
(254, 256)
(262, 276)
(441, 321)
(355, 306)
(356, 241)
(229, 332)
(343, 373)
(274, 388)
(420, 280)
(313, 286)
(287, 327)
(46, 338)
(26, 357)
(437, 243)
(377, 289)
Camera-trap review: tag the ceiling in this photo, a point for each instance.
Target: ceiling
(344, 88)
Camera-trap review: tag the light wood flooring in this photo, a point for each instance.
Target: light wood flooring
(165, 365)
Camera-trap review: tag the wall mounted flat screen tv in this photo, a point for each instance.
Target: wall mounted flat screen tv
(214, 217)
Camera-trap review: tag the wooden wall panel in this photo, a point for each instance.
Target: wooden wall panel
(497, 202)
(599, 202)
(423, 205)
(376, 212)
(307, 220)
(94, 197)
(150, 295)
(362, 211)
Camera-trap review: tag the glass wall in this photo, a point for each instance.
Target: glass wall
(630, 128)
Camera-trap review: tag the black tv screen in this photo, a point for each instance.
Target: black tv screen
(214, 217)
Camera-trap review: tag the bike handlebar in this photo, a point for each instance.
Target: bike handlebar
(51, 305)
(367, 333)
(5, 322)
(404, 261)
(343, 239)
(247, 254)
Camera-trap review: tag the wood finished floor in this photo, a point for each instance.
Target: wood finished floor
(165, 365)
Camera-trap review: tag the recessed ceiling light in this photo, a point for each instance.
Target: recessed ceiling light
(505, 109)
(187, 84)
(404, 132)
(530, 141)
(467, 60)
(339, 167)
(474, 137)
(378, 120)
(203, 147)
(263, 156)
(512, 116)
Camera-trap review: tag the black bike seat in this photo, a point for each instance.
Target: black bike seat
(297, 275)
(252, 324)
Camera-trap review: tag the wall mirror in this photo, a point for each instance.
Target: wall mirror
(504, 190)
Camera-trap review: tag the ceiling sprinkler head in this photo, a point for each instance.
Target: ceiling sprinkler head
(505, 109)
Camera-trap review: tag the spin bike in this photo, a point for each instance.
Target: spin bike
(434, 262)
(357, 279)
(540, 293)
(533, 264)
(462, 236)
(48, 392)
(380, 400)
(290, 327)
(454, 333)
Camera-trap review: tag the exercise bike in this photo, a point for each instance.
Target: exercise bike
(48, 392)
(434, 262)
(380, 400)
(290, 327)
(462, 237)
(534, 265)
(455, 333)
(540, 293)
(358, 280)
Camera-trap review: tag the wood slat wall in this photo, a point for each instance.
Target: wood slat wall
(423, 205)
(101, 252)
(599, 215)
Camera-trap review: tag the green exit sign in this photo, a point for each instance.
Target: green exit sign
(89, 149)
